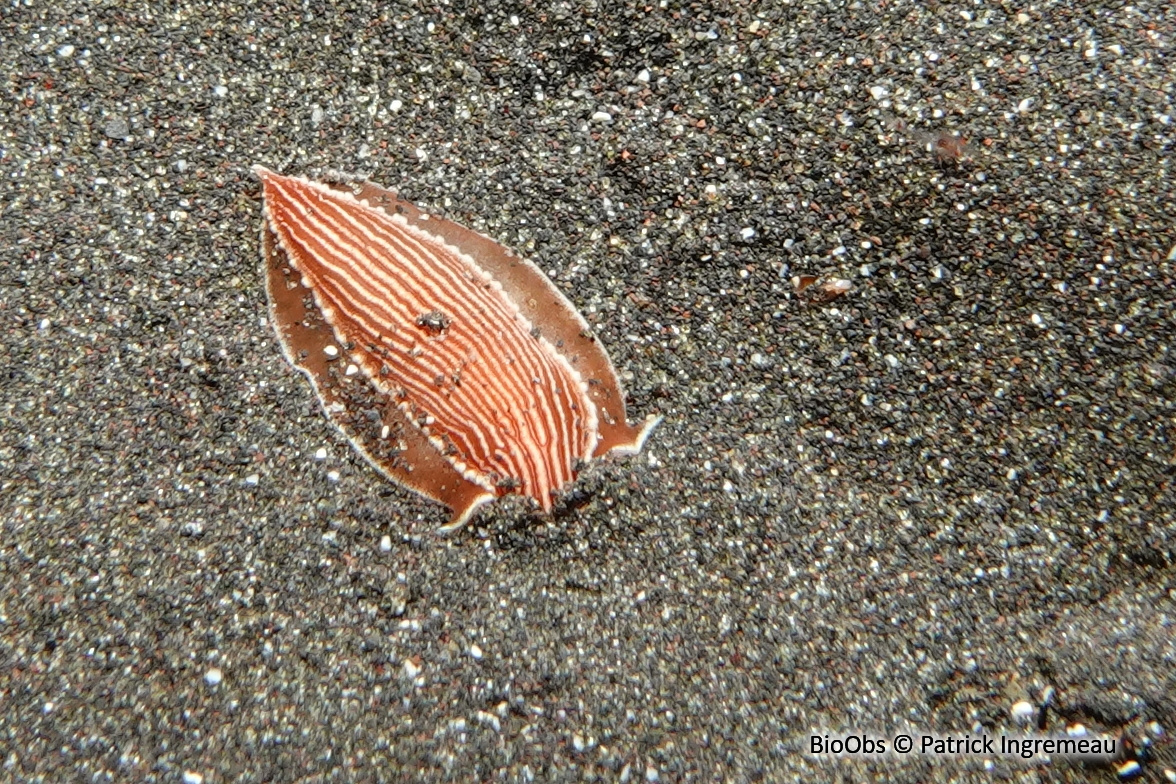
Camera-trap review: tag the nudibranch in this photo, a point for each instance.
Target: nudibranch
(454, 366)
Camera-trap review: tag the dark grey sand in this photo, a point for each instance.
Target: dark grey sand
(944, 493)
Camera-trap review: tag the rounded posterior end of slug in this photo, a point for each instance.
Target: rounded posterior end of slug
(464, 515)
(637, 435)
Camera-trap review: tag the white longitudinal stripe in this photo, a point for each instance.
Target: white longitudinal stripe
(442, 265)
(433, 259)
(538, 438)
(423, 389)
(551, 460)
(410, 376)
(321, 388)
(560, 426)
(337, 301)
(355, 254)
(556, 434)
(418, 250)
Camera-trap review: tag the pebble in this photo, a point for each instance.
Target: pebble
(1023, 712)
(488, 720)
(1129, 769)
(117, 128)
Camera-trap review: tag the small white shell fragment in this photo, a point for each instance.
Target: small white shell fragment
(320, 453)
(411, 668)
(1128, 769)
(1023, 711)
(487, 719)
(214, 676)
(475, 651)
(568, 421)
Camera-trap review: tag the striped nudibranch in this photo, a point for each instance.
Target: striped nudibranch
(454, 366)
